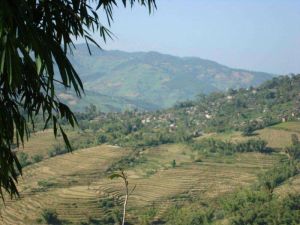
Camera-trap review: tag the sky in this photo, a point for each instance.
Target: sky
(260, 35)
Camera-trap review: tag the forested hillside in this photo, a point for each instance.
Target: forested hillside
(104, 103)
(157, 79)
(244, 110)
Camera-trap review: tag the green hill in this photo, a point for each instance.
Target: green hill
(103, 102)
(157, 79)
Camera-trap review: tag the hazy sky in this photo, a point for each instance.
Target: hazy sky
(261, 35)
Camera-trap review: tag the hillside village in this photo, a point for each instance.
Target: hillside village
(245, 109)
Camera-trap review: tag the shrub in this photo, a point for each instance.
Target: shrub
(147, 216)
(57, 150)
(277, 175)
(248, 130)
(102, 139)
(37, 158)
(50, 216)
(228, 148)
(107, 203)
(23, 159)
(256, 207)
(46, 184)
(198, 159)
(189, 216)
(173, 163)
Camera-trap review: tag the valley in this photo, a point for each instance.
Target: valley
(184, 164)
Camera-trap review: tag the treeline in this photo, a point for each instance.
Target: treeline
(210, 145)
(243, 109)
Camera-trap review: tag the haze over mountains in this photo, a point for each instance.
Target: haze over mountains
(151, 80)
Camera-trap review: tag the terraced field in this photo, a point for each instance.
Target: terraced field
(292, 186)
(61, 183)
(73, 184)
(289, 126)
(41, 142)
(278, 136)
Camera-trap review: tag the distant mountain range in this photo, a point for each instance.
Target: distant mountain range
(151, 80)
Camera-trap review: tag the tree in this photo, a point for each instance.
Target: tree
(124, 177)
(35, 39)
(173, 163)
(50, 216)
(248, 130)
(293, 151)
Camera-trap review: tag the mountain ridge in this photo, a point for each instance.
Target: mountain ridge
(157, 78)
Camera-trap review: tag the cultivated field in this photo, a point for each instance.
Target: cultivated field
(73, 184)
(41, 142)
(278, 136)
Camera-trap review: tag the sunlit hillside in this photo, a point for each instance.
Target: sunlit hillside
(77, 187)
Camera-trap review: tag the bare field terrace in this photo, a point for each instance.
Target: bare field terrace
(73, 183)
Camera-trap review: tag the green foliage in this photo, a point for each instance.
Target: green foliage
(102, 138)
(228, 148)
(57, 150)
(189, 216)
(260, 206)
(248, 130)
(107, 203)
(293, 151)
(173, 163)
(277, 175)
(23, 159)
(111, 218)
(147, 216)
(35, 38)
(295, 139)
(37, 158)
(252, 145)
(128, 161)
(255, 207)
(244, 110)
(50, 216)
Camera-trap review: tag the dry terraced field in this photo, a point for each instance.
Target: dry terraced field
(41, 142)
(72, 184)
(278, 136)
